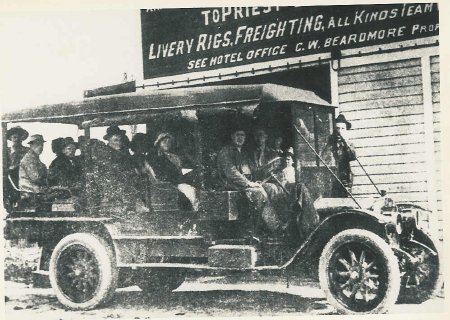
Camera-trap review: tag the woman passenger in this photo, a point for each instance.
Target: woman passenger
(66, 170)
(167, 167)
(140, 146)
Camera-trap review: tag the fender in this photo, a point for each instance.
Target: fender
(333, 224)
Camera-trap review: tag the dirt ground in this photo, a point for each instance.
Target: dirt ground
(238, 295)
(197, 297)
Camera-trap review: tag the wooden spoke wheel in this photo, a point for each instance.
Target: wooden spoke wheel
(83, 271)
(359, 272)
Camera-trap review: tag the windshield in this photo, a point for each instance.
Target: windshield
(315, 126)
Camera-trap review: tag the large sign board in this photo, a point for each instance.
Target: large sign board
(179, 41)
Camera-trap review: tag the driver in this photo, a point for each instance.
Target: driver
(261, 155)
(234, 170)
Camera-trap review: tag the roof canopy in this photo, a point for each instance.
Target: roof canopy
(162, 100)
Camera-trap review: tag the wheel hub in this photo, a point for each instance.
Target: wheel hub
(356, 276)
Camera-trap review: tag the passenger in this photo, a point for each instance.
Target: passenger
(277, 142)
(342, 151)
(65, 170)
(15, 154)
(116, 179)
(167, 167)
(287, 175)
(32, 172)
(261, 155)
(292, 201)
(140, 146)
(125, 144)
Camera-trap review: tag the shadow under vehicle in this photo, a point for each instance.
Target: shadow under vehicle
(366, 253)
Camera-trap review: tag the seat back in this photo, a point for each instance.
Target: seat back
(220, 205)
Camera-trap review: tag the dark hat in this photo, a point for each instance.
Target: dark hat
(69, 140)
(341, 119)
(113, 130)
(36, 138)
(139, 139)
(17, 130)
(57, 145)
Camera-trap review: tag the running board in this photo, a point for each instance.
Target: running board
(192, 266)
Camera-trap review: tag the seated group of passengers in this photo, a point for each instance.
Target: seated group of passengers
(247, 170)
(121, 176)
(29, 178)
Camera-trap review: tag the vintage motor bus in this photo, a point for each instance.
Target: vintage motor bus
(366, 253)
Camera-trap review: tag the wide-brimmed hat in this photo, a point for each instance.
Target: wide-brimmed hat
(36, 138)
(341, 119)
(113, 130)
(162, 136)
(17, 130)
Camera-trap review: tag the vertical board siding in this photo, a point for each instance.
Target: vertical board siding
(435, 89)
(384, 102)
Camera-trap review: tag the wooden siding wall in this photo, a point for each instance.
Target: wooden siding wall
(435, 91)
(384, 102)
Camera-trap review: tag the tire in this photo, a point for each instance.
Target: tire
(421, 278)
(83, 271)
(160, 281)
(344, 258)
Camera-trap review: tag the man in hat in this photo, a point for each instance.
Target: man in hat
(15, 154)
(65, 170)
(32, 172)
(342, 151)
(17, 151)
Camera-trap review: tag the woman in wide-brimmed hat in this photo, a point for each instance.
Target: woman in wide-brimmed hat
(66, 169)
(167, 167)
(166, 164)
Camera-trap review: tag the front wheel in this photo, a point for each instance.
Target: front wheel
(83, 271)
(359, 272)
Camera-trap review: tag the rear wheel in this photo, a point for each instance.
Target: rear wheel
(359, 272)
(160, 281)
(83, 271)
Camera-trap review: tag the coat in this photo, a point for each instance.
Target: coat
(167, 166)
(32, 174)
(65, 172)
(234, 168)
(111, 179)
(342, 153)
